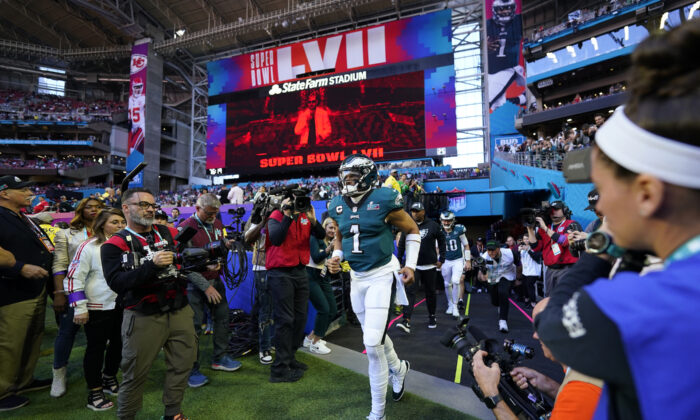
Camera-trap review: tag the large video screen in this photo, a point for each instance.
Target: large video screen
(382, 118)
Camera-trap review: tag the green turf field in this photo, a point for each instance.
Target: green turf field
(325, 392)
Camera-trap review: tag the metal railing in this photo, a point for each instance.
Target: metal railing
(544, 160)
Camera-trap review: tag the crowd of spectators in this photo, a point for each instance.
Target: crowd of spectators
(548, 151)
(47, 163)
(23, 106)
(576, 99)
(574, 20)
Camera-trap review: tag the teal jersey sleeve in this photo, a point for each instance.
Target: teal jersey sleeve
(367, 239)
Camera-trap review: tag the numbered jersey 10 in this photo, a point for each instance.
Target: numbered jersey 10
(368, 241)
(453, 242)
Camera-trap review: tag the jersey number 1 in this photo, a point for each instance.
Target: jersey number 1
(355, 230)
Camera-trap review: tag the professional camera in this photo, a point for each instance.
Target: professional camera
(528, 215)
(301, 202)
(480, 264)
(197, 259)
(467, 340)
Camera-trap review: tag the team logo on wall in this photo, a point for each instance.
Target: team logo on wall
(138, 63)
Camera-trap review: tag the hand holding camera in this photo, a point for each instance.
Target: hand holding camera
(163, 259)
(541, 223)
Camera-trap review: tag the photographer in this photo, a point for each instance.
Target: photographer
(649, 195)
(575, 398)
(24, 274)
(287, 246)
(531, 263)
(206, 289)
(138, 264)
(499, 271)
(553, 242)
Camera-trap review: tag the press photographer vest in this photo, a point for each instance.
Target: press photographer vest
(158, 296)
(295, 249)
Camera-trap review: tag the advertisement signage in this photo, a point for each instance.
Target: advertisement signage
(137, 110)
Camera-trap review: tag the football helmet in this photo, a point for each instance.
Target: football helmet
(365, 170)
(503, 11)
(137, 87)
(447, 219)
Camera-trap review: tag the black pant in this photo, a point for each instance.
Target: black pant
(500, 292)
(529, 287)
(102, 326)
(289, 288)
(428, 278)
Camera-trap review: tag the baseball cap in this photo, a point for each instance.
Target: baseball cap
(592, 199)
(558, 204)
(10, 182)
(160, 214)
(417, 207)
(480, 239)
(491, 245)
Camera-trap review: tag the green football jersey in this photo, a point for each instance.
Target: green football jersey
(367, 239)
(454, 244)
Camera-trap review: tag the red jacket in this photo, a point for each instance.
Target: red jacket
(295, 249)
(544, 244)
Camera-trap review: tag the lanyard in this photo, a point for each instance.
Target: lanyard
(41, 235)
(216, 233)
(686, 250)
(160, 238)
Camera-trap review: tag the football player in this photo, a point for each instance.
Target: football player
(457, 260)
(365, 215)
(504, 37)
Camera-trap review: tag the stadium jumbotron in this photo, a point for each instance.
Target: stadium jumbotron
(349, 209)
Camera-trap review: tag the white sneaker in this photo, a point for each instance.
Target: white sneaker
(58, 386)
(450, 308)
(373, 416)
(319, 348)
(455, 311)
(308, 341)
(503, 325)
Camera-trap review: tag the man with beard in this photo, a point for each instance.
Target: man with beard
(138, 264)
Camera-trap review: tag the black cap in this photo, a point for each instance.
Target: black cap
(480, 239)
(592, 199)
(160, 214)
(417, 207)
(11, 182)
(491, 245)
(558, 204)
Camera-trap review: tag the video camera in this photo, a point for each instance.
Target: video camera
(265, 203)
(480, 264)
(467, 340)
(528, 215)
(197, 259)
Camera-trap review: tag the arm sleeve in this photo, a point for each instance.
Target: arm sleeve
(401, 248)
(198, 280)
(516, 258)
(576, 400)
(318, 252)
(318, 231)
(539, 245)
(536, 256)
(465, 243)
(278, 229)
(573, 327)
(74, 282)
(60, 255)
(119, 280)
(442, 244)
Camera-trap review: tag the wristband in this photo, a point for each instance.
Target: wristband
(337, 253)
(412, 249)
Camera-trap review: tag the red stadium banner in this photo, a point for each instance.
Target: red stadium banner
(137, 109)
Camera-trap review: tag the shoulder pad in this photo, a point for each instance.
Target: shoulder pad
(461, 228)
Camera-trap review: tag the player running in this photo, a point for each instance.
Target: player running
(457, 260)
(364, 215)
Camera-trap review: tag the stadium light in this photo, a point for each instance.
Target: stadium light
(664, 18)
(693, 9)
(594, 41)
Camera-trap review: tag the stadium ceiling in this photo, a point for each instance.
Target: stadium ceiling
(80, 31)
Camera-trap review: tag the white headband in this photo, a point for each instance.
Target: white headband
(641, 151)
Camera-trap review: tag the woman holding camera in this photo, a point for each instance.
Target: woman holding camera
(67, 242)
(320, 290)
(95, 307)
